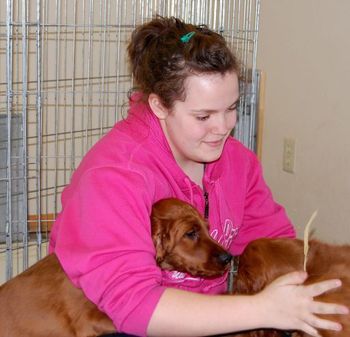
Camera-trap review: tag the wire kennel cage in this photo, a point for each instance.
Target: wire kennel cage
(63, 84)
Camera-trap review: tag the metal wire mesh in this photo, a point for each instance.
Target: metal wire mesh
(63, 84)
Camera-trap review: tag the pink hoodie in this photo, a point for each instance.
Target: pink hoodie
(102, 236)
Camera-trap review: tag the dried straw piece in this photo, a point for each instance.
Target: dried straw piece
(306, 237)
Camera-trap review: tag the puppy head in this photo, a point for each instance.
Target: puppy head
(263, 260)
(182, 242)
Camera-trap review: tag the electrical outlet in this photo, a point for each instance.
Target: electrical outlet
(289, 155)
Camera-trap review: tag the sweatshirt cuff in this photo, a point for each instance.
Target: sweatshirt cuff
(137, 322)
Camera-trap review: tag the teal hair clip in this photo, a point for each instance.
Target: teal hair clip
(187, 37)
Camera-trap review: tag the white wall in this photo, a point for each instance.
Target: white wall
(304, 48)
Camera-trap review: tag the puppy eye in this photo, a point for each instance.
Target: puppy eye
(192, 234)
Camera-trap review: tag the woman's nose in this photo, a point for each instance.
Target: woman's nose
(223, 123)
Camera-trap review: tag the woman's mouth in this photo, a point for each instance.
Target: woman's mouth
(214, 143)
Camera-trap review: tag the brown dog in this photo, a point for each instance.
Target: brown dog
(264, 260)
(42, 302)
(180, 235)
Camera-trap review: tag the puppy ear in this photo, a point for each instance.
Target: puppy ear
(159, 250)
(157, 237)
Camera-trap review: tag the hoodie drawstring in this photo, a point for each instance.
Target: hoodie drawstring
(206, 205)
(189, 185)
(205, 195)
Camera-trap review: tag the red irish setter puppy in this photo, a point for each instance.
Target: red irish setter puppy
(264, 260)
(42, 302)
(180, 235)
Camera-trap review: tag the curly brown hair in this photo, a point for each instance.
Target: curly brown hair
(160, 61)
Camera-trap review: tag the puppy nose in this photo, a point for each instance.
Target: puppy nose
(225, 258)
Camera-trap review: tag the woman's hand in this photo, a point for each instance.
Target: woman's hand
(288, 305)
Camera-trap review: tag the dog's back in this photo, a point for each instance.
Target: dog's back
(266, 259)
(37, 303)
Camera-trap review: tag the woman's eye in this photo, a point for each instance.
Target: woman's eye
(233, 108)
(202, 118)
(193, 235)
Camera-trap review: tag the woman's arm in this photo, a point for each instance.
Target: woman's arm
(285, 304)
(263, 216)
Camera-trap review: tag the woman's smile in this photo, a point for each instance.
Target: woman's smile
(215, 143)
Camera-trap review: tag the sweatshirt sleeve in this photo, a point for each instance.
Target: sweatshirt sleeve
(103, 241)
(262, 217)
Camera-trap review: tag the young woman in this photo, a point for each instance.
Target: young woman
(176, 142)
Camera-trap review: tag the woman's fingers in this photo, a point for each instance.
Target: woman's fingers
(310, 330)
(312, 290)
(293, 278)
(328, 308)
(300, 311)
(319, 288)
(315, 322)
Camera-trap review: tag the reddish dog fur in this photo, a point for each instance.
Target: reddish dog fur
(42, 302)
(182, 241)
(264, 260)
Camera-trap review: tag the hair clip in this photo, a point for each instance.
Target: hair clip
(187, 37)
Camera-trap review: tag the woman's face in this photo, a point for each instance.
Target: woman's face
(197, 128)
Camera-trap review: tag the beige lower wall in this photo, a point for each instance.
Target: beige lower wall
(304, 48)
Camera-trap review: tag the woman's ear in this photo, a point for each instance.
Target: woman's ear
(157, 106)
